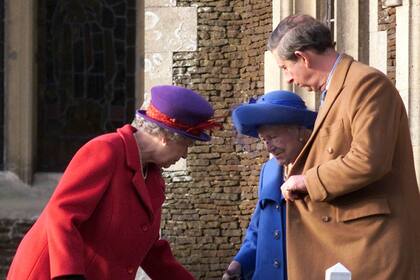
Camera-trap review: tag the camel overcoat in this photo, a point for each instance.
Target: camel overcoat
(102, 220)
(363, 207)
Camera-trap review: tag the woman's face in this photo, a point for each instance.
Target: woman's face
(172, 150)
(282, 141)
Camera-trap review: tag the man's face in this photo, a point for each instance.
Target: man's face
(298, 72)
(282, 141)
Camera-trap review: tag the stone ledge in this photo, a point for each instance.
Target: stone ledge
(21, 201)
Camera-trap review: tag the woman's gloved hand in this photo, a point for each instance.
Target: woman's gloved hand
(233, 272)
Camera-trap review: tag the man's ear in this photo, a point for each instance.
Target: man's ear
(304, 56)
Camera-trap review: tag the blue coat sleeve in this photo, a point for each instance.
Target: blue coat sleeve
(247, 253)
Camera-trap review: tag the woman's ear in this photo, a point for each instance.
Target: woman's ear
(163, 140)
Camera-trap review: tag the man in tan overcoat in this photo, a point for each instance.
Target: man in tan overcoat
(352, 192)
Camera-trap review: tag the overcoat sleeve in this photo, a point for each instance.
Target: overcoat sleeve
(374, 111)
(75, 198)
(160, 264)
(248, 251)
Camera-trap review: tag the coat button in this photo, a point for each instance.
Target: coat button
(326, 219)
(276, 234)
(330, 150)
(145, 228)
(130, 270)
(276, 263)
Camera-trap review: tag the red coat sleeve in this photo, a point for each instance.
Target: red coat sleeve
(75, 198)
(160, 264)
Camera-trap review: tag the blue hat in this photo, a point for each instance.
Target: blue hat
(180, 110)
(276, 107)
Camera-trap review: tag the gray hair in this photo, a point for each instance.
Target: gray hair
(299, 33)
(155, 130)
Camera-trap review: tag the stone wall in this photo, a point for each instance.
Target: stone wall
(11, 232)
(208, 206)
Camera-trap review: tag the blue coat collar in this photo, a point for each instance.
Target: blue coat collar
(271, 179)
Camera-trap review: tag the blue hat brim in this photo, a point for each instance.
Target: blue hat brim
(201, 137)
(248, 118)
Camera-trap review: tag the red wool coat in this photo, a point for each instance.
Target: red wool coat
(102, 221)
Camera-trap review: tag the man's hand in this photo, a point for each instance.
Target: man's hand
(233, 272)
(294, 188)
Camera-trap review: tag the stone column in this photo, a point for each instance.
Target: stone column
(20, 87)
(273, 77)
(169, 29)
(139, 77)
(378, 52)
(351, 32)
(408, 68)
(414, 109)
(308, 7)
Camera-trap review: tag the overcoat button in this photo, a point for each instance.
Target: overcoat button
(276, 234)
(326, 219)
(145, 228)
(130, 270)
(276, 263)
(330, 150)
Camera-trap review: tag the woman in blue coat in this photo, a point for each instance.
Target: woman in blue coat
(281, 120)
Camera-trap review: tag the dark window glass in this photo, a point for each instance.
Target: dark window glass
(85, 74)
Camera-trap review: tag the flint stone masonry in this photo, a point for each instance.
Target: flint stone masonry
(206, 214)
(11, 232)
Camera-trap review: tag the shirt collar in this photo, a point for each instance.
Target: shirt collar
(337, 60)
(324, 92)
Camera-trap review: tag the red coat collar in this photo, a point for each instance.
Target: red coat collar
(132, 156)
(131, 148)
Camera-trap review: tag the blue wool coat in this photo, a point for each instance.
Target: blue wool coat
(263, 251)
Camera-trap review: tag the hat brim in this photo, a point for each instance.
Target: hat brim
(201, 137)
(248, 118)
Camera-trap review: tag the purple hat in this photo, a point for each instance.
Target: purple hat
(180, 110)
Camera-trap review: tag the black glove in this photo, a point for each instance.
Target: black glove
(70, 277)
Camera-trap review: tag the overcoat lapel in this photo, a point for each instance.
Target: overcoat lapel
(133, 162)
(336, 86)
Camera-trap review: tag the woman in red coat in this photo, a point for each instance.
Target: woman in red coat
(102, 222)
